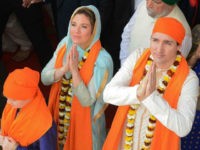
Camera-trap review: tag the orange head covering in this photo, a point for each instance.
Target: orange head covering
(171, 27)
(21, 84)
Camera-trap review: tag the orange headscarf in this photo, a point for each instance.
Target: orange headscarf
(21, 84)
(163, 139)
(34, 119)
(80, 130)
(171, 27)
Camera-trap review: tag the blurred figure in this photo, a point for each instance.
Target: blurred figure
(140, 26)
(31, 19)
(191, 141)
(191, 10)
(15, 39)
(26, 121)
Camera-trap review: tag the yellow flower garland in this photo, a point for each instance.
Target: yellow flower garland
(65, 101)
(128, 145)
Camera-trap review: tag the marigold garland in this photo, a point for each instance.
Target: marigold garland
(163, 82)
(65, 101)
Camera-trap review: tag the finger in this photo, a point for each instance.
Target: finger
(74, 50)
(25, 3)
(71, 54)
(1, 139)
(153, 73)
(151, 84)
(29, 5)
(10, 139)
(142, 88)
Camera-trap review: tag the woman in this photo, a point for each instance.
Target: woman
(79, 71)
(26, 121)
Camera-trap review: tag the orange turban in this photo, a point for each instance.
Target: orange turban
(21, 84)
(171, 27)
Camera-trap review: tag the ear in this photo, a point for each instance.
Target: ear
(179, 47)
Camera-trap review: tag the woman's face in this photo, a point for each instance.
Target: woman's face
(80, 30)
(17, 103)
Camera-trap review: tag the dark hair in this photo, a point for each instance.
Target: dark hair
(89, 13)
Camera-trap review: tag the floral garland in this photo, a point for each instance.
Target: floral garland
(65, 101)
(163, 82)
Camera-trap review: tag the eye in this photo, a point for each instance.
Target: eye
(73, 24)
(168, 43)
(84, 26)
(157, 1)
(154, 40)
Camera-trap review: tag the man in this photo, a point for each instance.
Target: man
(140, 26)
(156, 92)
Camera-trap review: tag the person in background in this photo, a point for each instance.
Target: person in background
(78, 71)
(140, 26)
(156, 92)
(31, 19)
(191, 10)
(26, 121)
(15, 38)
(194, 55)
(191, 141)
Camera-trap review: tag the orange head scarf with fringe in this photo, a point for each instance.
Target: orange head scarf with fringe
(34, 119)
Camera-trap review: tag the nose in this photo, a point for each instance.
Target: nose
(159, 47)
(77, 30)
(149, 3)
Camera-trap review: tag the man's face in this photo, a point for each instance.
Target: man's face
(163, 49)
(157, 8)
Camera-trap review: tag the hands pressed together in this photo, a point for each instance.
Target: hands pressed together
(8, 143)
(72, 60)
(71, 66)
(148, 84)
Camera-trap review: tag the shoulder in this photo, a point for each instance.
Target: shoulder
(192, 78)
(178, 14)
(104, 59)
(137, 53)
(132, 58)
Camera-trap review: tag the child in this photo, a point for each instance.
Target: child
(26, 121)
